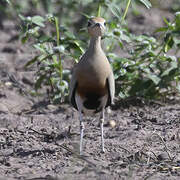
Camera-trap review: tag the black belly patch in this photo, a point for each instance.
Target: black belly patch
(92, 102)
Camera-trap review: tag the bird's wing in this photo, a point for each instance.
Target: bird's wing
(111, 88)
(73, 87)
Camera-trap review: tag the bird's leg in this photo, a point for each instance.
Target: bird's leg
(102, 133)
(81, 131)
(79, 106)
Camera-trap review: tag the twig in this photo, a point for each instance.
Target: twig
(13, 79)
(44, 134)
(125, 149)
(164, 145)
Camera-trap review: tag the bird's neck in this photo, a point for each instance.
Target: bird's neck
(95, 44)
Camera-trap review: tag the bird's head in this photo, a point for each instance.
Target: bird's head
(96, 26)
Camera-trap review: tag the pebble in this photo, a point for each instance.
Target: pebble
(51, 107)
(8, 84)
(162, 156)
(3, 108)
(112, 123)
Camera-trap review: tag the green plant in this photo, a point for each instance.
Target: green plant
(147, 71)
(52, 50)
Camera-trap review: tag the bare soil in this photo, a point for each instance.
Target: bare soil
(40, 141)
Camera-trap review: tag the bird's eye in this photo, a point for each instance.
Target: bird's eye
(89, 24)
(105, 23)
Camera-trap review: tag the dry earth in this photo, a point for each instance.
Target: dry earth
(40, 141)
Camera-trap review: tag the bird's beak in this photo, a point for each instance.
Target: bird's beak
(99, 25)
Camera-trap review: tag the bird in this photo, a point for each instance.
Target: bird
(92, 84)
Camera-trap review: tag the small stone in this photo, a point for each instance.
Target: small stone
(112, 123)
(8, 84)
(2, 140)
(51, 107)
(3, 130)
(30, 164)
(3, 108)
(162, 156)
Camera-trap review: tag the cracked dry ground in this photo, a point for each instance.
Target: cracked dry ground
(39, 140)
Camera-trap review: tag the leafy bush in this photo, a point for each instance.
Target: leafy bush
(52, 49)
(147, 71)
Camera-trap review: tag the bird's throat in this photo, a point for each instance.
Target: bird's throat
(95, 43)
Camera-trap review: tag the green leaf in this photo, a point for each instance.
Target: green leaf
(75, 45)
(40, 47)
(161, 29)
(173, 65)
(124, 37)
(177, 20)
(114, 9)
(25, 38)
(120, 44)
(69, 34)
(45, 38)
(146, 3)
(32, 61)
(148, 55)
(166, 21)
(85, 15)
(39, 81)
(169, 42)
(59, 49)
(112, 25)
(42, 58)
(9, 2)
(140, 86)
(154, 78)
(23, 18)
(38, 20)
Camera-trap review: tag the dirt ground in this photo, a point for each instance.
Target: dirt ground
(40, 141)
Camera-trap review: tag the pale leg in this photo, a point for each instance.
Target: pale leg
(79, 106)
(102, 133)
(81, 132)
